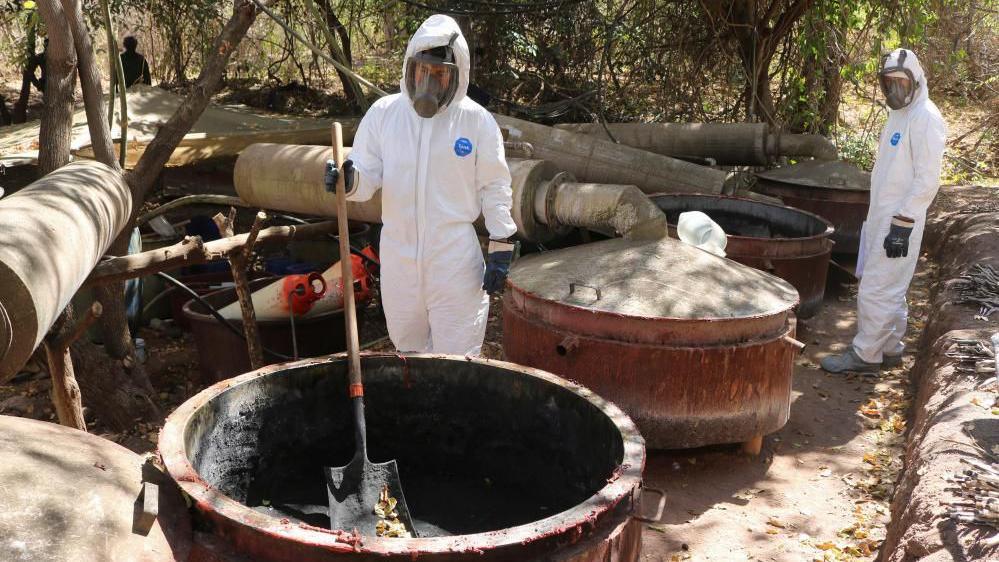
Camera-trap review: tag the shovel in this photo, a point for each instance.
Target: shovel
(356, 490)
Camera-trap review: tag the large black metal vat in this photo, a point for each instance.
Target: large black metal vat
(695, 348)
(837, 191)
(498, 462)
(787, 242)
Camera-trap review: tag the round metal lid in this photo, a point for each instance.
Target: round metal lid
(835, 174)
(70, 495)
(662, 279)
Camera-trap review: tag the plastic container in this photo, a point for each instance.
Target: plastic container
(697, 229)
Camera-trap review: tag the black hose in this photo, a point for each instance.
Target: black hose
(215, 313)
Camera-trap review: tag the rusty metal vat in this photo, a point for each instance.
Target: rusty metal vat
(696, 349)
(837, 191)
(222, 354)
(499, 462)
(789, 243)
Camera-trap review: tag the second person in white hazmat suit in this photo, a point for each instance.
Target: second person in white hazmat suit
(438, 158)
(904, 181)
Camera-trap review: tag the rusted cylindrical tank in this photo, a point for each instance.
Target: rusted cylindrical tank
(789, 243)
(726, 144)
(695, 348)
(222, 354)
(498, 462)
(837, 191)
(52, 233)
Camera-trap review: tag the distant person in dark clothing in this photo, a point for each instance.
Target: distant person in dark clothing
(133, 64)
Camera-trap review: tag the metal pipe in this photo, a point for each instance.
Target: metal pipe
(729, 144)
(596, 160)
(816, 146)
(617, 209)
(54, 232)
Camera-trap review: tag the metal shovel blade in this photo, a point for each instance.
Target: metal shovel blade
(354, 492)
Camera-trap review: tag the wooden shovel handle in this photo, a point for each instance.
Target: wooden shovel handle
(347, 275)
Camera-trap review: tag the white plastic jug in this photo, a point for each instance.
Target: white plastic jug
(697, 229)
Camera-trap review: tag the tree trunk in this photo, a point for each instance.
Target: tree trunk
(134, 397)
(109, 389)
(157, 153)
(20, 110)
(4, 114)
(832, 80)
(748, 23)
(90, 82)
(19, 113)
(177, 54)
(60, 81)
(119, 390)
(65, 389)
(113, 325)
(351, 89)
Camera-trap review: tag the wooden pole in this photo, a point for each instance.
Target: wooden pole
(65, 390)
(192, 251)
(347, 273)
(238, 262)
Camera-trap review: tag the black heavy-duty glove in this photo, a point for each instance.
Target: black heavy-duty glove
(498, 261)
(897, 242)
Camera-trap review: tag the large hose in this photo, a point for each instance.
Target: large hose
(54, 232)
(613, 209)
(728, 144)
(547, 202)
(592, 158)
(816, 146)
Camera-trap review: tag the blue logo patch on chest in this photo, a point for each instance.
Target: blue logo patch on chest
(462, 147)
(894, 139)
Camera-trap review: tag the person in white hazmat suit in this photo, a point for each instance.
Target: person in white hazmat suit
(438, 158)
(904, 182)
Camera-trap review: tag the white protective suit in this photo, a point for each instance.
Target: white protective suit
(904, 182)
(437, 176)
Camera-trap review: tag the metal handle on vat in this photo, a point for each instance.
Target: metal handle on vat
(794, 343)
(660, 505)
(574, 284)
(147, 508)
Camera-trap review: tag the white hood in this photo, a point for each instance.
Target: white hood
(436, 31)
(911, 63)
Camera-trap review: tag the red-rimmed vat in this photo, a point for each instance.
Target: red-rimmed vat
(792, 244)
(498, 461)
(835, 190)
(696, 349)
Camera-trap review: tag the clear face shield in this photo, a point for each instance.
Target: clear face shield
(432, 79)
(897, 82)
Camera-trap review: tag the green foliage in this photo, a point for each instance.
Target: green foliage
(857, 146)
